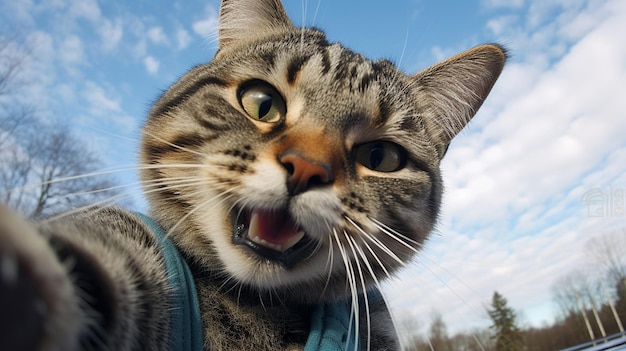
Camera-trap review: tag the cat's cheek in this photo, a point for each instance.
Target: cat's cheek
(317, 212)
(266, 186)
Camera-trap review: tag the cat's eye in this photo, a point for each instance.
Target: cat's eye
(262, 102)
(381, 156)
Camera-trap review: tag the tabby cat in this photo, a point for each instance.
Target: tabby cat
(290, 173)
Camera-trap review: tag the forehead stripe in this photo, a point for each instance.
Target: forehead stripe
(295, 66)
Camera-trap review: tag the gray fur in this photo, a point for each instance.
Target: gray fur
(204, 161)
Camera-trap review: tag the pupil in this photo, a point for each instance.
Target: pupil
(376, 156)
(265, 106)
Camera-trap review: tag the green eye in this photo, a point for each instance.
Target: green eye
(262, 102)
(381, 156)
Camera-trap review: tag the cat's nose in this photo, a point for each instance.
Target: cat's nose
(303, 174)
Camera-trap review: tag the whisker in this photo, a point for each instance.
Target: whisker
(369, 248)
(351, 280)
(394, 234)
(330, 263)
(97, 206)
(403, 240)
(105, 172)
(377, 242)
(70, 178)
(174, 145)
(375, 279)
(317, 9)
(200, 206)
(352, 243)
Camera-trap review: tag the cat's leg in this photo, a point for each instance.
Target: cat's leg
(38, 304)
(93, 281)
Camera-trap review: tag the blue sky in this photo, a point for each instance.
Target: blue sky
(513, 218)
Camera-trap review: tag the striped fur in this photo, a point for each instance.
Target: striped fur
(206, 163)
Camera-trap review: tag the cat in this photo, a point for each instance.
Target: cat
(290, 173)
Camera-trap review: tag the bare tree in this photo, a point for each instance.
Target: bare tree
(409, 333)
(438, 333)
(40, 164)
(609, 251)
(13, 58)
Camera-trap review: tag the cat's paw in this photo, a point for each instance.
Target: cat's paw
(37, 301)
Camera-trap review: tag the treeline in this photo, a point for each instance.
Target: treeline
(590, 305)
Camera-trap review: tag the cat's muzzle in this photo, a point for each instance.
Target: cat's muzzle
(272, 234)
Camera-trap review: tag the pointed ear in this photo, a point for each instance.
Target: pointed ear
(247, 19)
(453, 90)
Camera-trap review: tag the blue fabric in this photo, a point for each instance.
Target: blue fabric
(185, 321)
(331, 329)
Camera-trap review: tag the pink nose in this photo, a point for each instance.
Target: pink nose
(304, 174)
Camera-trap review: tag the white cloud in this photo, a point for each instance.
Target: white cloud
(503, 3)
(100, 104)
(553, 129)
(207, 27)
(140, 49)
(157, 36)
(500, 24)
(103, 103)
(71, 50)
(87, 9)
(111, 33)
(152, 64)
(21, 10)
(183, 39)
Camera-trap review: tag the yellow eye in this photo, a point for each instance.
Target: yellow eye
(262, 102)
(381, 156)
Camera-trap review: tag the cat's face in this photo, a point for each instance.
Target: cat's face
(292, 164)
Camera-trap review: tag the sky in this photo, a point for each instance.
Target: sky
(538, 172)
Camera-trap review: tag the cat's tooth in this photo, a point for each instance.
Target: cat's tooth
(270, 245)
(292, 242)
(253, 228)
(253, 234)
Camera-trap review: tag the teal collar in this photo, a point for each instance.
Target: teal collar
(332, 329)
(185, 321)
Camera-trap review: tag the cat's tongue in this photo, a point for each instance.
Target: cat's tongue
(274, 230)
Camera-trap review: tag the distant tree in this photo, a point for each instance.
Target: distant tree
(508, 335)
(579, 297)
(438, 334)
(621, 299)
(409, 328)
(40, 163)
(609, 250)
(476, 340)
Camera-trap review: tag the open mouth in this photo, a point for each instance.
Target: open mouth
(273, 235)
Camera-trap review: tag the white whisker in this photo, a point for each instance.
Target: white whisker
(351, 281)
(377, 243)
(174, 145)
(402, 239)
(352, 243)
(200, 206)
(330, 263)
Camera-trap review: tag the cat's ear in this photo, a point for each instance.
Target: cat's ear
(453, 90)
(247, 19)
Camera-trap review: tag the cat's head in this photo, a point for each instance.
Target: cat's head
(295, 165)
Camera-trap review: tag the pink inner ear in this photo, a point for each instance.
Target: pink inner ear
(275, 227)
